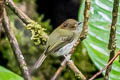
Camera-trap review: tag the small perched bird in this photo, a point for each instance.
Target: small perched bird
(61, 40)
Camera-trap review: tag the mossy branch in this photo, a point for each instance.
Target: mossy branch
(38, 33)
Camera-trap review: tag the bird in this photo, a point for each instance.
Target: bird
(61, 40)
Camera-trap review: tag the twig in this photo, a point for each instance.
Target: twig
(59, 70)
(72, 66)
(109, 63)
(14, 44)
(86, 17)
(1, 14)
(18, 12)
(77, 72)
(112, 43)
(82, 37)
(1, 8)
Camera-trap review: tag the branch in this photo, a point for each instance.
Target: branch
(86, 17)
(59, 70)
(14, 44)
(72, 66)
(18, 12)
(1, 14)
(112, 43)
(108, 64)
(38, 33)
(1, 9)
(78, 73)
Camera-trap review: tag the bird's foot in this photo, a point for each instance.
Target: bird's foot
(67, 57)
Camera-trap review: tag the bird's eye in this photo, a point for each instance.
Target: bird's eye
(72, 26)
(65, 25)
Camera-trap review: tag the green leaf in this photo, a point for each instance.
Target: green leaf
(5, 74)
(98, 35)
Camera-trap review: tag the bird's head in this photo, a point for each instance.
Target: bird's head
(70, 24)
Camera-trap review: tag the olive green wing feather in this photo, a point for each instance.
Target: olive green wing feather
(58, 39)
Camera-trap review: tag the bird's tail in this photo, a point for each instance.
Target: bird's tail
(40, 61)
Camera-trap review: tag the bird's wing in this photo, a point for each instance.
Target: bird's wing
(59, 39)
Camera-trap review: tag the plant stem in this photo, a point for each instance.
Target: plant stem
(112, 43)
(15, 47)
(109, 63)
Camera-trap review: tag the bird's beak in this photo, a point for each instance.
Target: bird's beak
(80, 23)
